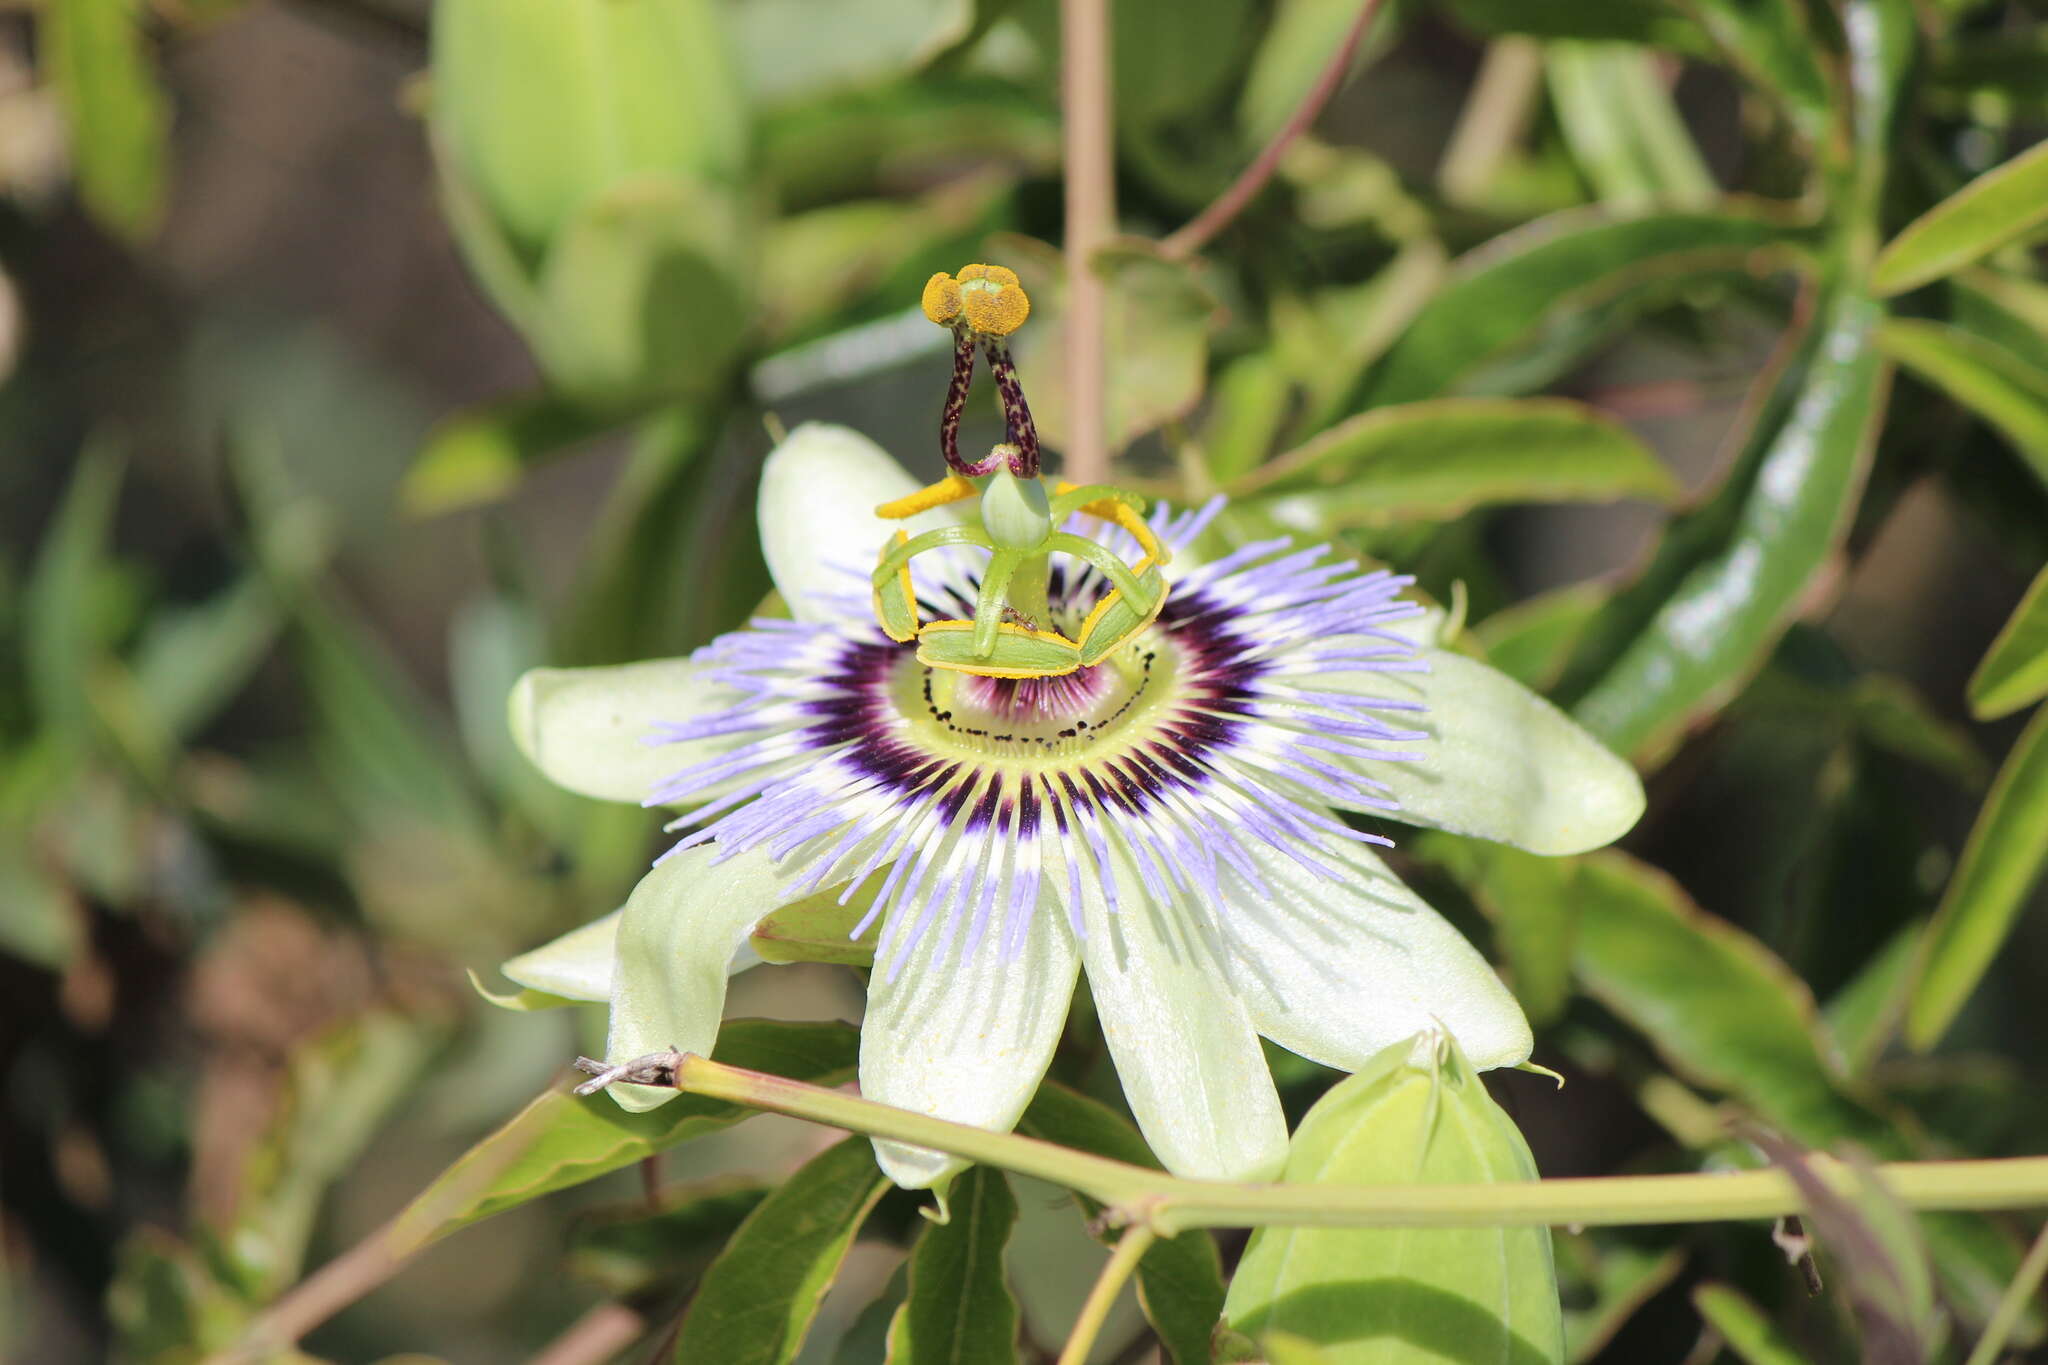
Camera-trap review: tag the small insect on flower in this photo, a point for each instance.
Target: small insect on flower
(1044, 737)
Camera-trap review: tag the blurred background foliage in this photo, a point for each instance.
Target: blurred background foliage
(338, 393)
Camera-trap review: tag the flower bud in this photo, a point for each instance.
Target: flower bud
(1418, 1114)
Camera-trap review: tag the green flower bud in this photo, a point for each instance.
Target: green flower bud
(1015, 512)
(1418, 1114)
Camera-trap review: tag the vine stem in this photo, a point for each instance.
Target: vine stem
(1090, 181)
(1203, 227)
(1130, 1248)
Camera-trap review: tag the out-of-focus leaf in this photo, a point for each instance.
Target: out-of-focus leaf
(1999, 206)
(1297, 45)
(958, 1310)
(1999, 62)
(1168, 57)
(1656, 23)
(1533, 903)
(2007, 310)
(756, 1302)
(1754, 1338)
(1551, 277)
(481, 454)
(1441, 458)
(1326, 338)
(191, 662)
(1727, 1013)
(1727, 578)
(1890, 715)
(166, 1303)
(643, 297)
(98, 61)
(1158, 323)
(38, 921)
(1624, 131)
(857, 143)
(61, 634)
(1531, 640)
(2007, 849)
(1418, 1113)
(1180, 1279)
(628, 1252)
(790, 48)
(2014, 671)
(867, 1340)
(1861, 1015)
(1616, 1277)
(1774, 45)
(1247, 406)
(1982, 375)
(560, 1140)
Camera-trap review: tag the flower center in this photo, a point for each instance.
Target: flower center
(1034, 718)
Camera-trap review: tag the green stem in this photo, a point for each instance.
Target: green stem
(1129, 1249)
(1169, 1204)
(2013, 1305)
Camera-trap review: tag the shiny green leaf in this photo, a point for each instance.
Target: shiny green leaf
(1438, 459)
(1180, 1279)
(2014, 671)
(756, 1302)
(958, 1310)
(1551, 281)
(2005, 390)
(560, 1140)
(2007, 849)
(1754, 1338)
(97, 57)
(1417, 1114)
(1999, 206)
(1728, 577)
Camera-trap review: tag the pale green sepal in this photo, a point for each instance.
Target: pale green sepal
(1502, 763)
(1417, 1114)
(819, 531)
(587, 728)
(1339, 969)
(576, 966)
(681, 931)
(1183, 1043)
(965, 1038)
(519, 1001)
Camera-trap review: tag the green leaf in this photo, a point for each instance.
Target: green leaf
(1533, 903)
(757, 1300)
(1617, 114)
(191, 662)
(1617, 1277)
(1657, 23)
(2007, 849)
(61, 630)
(629, 1251)
(2005, 309)
(560, 1140)
(1999, 206)
(959, 1311)
(1754, 1338)
(1438, 459)
(1295, 48)
(1180, 1279)
(1983, 376)
(818, 929)
(97, 57)
(1771, 41)
(1562, 279)
(2014, 671)
(1417, 1114)
(1729, 577)
(1532, 640)
(1248, 404)
(1861, 1015)
(481, 454)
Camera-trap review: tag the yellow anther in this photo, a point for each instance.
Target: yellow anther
(942, 299)
(952, 488)
(992, 300)
(1001, 275)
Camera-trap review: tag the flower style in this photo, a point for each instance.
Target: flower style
(1166, 816)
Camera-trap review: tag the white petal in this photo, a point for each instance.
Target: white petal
(1504, 764)
(965, 1040)
(819, 531)
(1336, 970)
(587, 728)
(679, 935)
(577, 965)
(1184, 1045)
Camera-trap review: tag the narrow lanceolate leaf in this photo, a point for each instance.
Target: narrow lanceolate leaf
(1754, 1338)
(1771, 42)
(1729, 577)
(61, 631)
(1390, 1296)
(2000, 864)
(2014, 672)
(560, 1140)
(1180, 1280)
(757, 1300)
(2003, 389)
(1564, 280)
(1437, 459)
(1725, 1012)
(1624, 131)
(98, 61)
(959, 1311)
(1999, 206)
